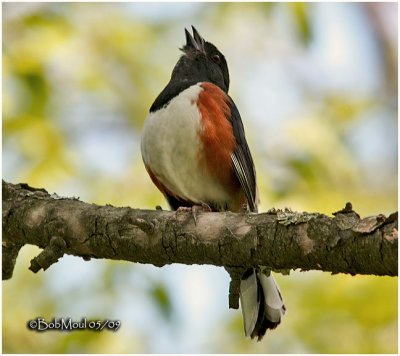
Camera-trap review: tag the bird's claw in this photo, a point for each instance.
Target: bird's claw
(194, 209)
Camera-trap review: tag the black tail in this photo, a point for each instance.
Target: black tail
(261, 303)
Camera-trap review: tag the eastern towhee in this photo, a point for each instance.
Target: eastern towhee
(195, 151)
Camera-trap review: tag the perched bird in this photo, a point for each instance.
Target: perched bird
(195, 151)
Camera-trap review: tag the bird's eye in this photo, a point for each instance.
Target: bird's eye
(216, 58)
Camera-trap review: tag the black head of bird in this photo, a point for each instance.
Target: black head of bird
(201, 62)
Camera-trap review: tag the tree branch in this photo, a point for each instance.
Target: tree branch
(280, 240)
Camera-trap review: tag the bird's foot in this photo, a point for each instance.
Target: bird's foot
(194, 209)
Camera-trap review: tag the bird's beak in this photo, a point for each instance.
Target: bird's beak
(195, 41)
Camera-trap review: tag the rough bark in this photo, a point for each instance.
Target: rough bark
(280, 240)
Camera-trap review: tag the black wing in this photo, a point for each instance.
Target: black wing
(243, 164)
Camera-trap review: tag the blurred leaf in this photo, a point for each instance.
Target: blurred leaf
(300, 11)
(348, 309)
(160, 295)
(342, 110)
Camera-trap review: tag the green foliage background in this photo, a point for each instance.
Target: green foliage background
(78, 80)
